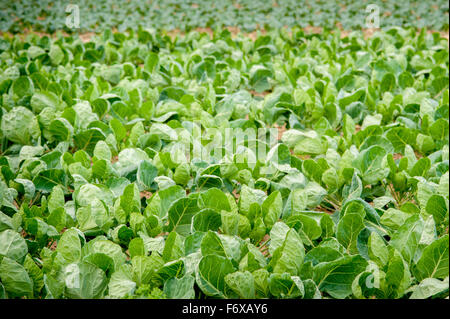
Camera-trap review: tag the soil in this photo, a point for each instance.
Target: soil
(281, 130)
(259, 94)
(146, 194)
(235, 31)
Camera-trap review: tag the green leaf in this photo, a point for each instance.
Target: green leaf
(15, 278)
(394, 218)
(289, 256)
(173, 248)
(146, 173)
(406, 239)
(118, 129)
(47, 179)
(286, 286)
(348, 230)
(272, 208)
(216, 199)
(20, 125)
(398, 276)
(212, 245)
(23, 86)
(437, 206)
(242, 283)
(87, 139)
(84, 281)
(69, 246)
(56, 54)
(421, 167)
(400, 137)
(56, 199)
(121, 283)
(36, 274)
(210, 275)
(428, 288)
(5, 222)
(439, 129)
(336, 277)
(434, 260)
(151, 61)
(206, 219)
(378, 250)
(144, 267)
(61, 129)
(180, 288)
(136, 247)
(12, 245)
(181, 213)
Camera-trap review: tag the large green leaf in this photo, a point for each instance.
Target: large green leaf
(210, 275)
(12, 245)
(181, 213)
(434, 260)
(15, 278)
(336, 277)
(84, 281)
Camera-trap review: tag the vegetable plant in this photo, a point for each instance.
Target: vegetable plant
(123, 173)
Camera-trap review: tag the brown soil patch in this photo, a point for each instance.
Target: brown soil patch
(304, 157)
(146, 194)
(254, 35)
(173, 33)
(162, 234)
(205, 30)
(262, 245)
(367, 32)
(177, 32)
(397, 156)
(86, 37)
(53, 245)
(260, 94)
(25, 32)
(235, 31)
(281, 130)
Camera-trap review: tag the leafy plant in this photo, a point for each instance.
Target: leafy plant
(349, 198)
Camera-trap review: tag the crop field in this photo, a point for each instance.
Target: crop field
(224, 149)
